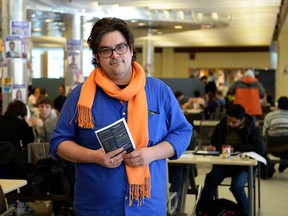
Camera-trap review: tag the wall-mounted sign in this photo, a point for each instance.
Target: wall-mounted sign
(13, 46)
(73, 45)
(20, 28)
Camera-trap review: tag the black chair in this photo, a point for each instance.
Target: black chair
(277, 146)
(46, 177)
(4, 210)
(195, 119)
(8, 157)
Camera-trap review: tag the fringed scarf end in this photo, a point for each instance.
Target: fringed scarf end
(85, 118)
(139, 192)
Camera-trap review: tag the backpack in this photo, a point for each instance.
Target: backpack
(224, 207)
(45, 177)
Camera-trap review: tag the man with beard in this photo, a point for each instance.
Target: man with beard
(238, 130)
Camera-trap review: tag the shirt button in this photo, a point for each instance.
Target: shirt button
(123, 113)
(126, 197)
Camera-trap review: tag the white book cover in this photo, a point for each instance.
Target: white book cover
(114, 136)
(255, 156)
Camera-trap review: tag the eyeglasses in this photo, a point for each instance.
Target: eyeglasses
(108, 52)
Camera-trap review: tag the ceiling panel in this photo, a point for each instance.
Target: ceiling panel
(204, 22)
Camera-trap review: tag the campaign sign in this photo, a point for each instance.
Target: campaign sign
(20, 28)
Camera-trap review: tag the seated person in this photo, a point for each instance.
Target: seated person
(46, 111)
(238, 130)
(198, 102)
(276, 124)
(14, 125)
(182, 100)
(49, 125)
(221, 100)
(211, 106)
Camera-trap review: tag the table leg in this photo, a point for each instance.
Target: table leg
(250, 191)
(184, 189)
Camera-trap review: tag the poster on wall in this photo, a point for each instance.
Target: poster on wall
(13, 46)
(20, 28)
(73, 45)
(74, 67)
(19, 94)
(7, 84)
(25, 48)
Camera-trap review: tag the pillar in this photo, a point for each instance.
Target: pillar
(282, 67)
(148, 54)
(73, 56)
(15, 77)
(273, 55)
(168, 62)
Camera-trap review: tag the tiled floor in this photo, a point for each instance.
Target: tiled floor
(274, 193)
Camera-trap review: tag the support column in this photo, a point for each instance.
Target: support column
(282, 69)
(273, 55)
(73, 56)
(167, 62)
(15, 69)
(148, 54)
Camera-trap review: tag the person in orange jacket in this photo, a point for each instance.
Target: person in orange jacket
(248, 91)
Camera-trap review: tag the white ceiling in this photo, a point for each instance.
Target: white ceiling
(251, 22)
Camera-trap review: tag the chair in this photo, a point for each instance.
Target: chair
(254, 188)
(217, 115)
(8, 157)
(4, 211)
(192, 118)
(46, 177)
(188, 185)
(37, 151)
(171, 197)
(277, 146)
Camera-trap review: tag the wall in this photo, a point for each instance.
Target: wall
(177, 64)
(51, 85)
(180, 63)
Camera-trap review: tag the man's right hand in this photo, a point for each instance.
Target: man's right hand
(211, 148)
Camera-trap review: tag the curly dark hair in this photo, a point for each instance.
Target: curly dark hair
(104, 26)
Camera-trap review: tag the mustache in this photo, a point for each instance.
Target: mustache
(113, 61)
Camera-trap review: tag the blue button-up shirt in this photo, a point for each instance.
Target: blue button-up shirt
(104, 191)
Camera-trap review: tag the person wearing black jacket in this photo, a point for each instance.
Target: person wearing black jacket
(14, 126)
(238, 129)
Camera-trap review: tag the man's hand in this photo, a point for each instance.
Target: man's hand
(111, 159)
(139, 157)
(211, 148)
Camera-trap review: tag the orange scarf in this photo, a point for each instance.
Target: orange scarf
(134, 93)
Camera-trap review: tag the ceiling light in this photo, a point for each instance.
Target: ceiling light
(37, 29)
(141, 24)
(178, 27)
(48, 20)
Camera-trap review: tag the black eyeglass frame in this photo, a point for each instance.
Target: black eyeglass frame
(112, 50)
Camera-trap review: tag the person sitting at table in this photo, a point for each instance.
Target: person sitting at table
(197, 100)
(183, 101)
(211, 106)
(276, 125)
(237, 129)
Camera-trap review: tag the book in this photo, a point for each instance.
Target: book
(114, 136)
(255, 156)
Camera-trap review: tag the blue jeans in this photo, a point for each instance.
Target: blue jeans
(239, 177)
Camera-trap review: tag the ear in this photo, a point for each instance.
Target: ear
(97, 58)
